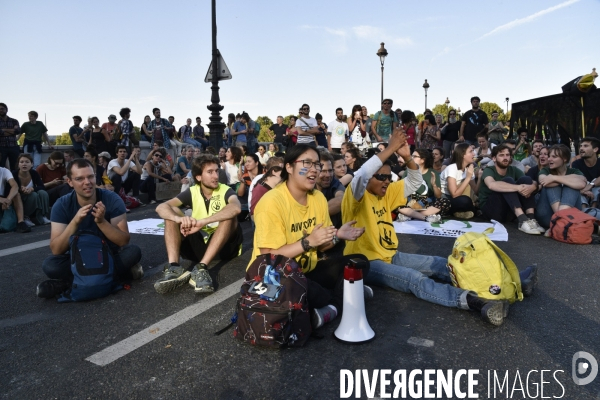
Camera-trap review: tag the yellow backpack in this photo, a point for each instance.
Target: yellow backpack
(477, 264)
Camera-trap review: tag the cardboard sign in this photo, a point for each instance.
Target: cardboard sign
(167, 190)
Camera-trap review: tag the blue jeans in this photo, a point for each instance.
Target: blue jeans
(548, 196)
(192, 142)
(412, 273)
(596, 192)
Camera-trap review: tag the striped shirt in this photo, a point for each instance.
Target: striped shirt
(308, 123)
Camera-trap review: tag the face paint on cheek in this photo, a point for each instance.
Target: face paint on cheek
(303, 171)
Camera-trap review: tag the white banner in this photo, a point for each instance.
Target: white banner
(452, 228)
(147, 227)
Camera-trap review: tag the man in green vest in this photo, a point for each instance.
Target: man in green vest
(212, 229)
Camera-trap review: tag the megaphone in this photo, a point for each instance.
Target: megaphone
(354, 327)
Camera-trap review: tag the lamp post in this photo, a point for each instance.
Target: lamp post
(426, 86)
(382, 53)
(215, 126)
(458, 112)
(507, 106)
(447, 102)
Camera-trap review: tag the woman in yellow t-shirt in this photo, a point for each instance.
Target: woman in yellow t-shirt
(293, 220)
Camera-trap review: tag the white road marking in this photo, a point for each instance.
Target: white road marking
(126, 346)
(415, 341)
(25, 247)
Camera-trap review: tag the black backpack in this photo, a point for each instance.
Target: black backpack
(273, 310)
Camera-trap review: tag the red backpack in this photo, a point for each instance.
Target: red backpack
(572, 226)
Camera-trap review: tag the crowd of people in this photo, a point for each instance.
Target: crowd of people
(319, 193)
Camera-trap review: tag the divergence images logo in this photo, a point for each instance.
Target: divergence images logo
(581, 367)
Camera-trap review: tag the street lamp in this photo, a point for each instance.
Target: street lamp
(507, 106)
(382, 53)
(216, 127)
(426, 86)
(458, 112)
(447, 102)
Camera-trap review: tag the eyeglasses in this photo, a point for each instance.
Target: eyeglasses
(386, 102)
(383, 177)
(416, 156)
(158, 155)
(308, 163)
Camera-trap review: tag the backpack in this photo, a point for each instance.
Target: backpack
(273, 310)
(93, 268)
(477, 264)
(572, 226)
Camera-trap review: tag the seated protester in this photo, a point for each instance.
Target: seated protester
(53, 176)
(184, 163)
(523, 148)
(125, 172)
(340, 170)
(102, 179)
(36, 204)
(458, 180)
(155, 171)
(232, 168)
(292, 220)
(533, 159)
(332, 189)
(252, 168)
(590, 167)
(12, 207)
(353, 159)
(262, 154)
(428, 196)
(345, 147)
(69, 156)
(211, 230)
(371, 190)
(505, 192)
(514, 163)
(272, 162)
(561, 185)
(438, 160)
(89, 209)
(534, 171)
(268, 181)
(483, 153)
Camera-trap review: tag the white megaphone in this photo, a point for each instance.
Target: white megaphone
(354, 327)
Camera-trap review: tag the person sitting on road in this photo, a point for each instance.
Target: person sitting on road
(332, 189)
(293, 220)
(458, 180)
(102, 179)
(83, 210)
(125, 172)
(11, 203)
(542, 162)
(36, 204)
(483, 153)
(590, 167)
(561, 185)
(368, 201)
(268, 181)
(340, 170)
(272, 162)
(155, 171)
(505, 192)
(211, 230)
(534, 158)
(512, 144)
(184, 163)
(53, 176)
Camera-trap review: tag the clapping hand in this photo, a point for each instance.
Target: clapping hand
(349, 232)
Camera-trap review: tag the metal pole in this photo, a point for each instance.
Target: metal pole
(381, 83)
(216, 127)
(582, 119)
(426, 99)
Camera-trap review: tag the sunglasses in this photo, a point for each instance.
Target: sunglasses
(383, 177)
(305, 109)
(386, 102)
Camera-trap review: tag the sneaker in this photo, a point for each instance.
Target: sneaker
(538, 226)
(46, 221)
(433, 218)
(200, 279)
(402, 218)
(323, 315)
(529, 227)
(494, 312)
(174, 276)
(137, 272)
(528, 284)
(368, 292)
(23, 228)
(152, 201)
(464, 214)
(28, 222)
(51, 288)
(548, 233)
(142, 204)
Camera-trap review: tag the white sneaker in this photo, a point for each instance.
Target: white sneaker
(537, 226)
(433, 218)
(28, 222)
(46, 220)
(402, 218)
(529, 227)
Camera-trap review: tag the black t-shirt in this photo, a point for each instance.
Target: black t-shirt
(322, 136)
(590, 173)
(476, 122)
(279, 132)
(451, 131)
(534, 173)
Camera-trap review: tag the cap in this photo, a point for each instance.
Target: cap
(112, 116)
(105, 154)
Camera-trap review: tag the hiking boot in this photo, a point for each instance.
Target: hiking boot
(200, 279)
(174, 276)
(23, 228)
(402, 218)
(528, 284)
(538, 226)
(492, 311)
(464, 214)
(51, 288)
(529, 227)
(433, 218)
(368, 292)
(137, 272)
(323, 315)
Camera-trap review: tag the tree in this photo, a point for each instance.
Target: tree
(63, 139)
(442, 109)
(488, 108)
(265, 123)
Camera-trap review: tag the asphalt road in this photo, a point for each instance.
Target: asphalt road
(44, 345)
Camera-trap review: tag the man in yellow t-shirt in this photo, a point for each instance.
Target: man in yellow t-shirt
(369, 199)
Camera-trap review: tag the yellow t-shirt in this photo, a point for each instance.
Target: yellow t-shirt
(379, 242)
(281, 220)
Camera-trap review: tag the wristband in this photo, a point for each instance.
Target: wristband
(305, 244)
(408, 161)
(335, 240)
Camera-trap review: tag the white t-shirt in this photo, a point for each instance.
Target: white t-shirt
(115, 163)
(338, 131)
(312, 123)
(254, 182)
(231, 170)
(452, 171)
(5, 176)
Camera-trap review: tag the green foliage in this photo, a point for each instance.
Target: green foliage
(137, 132)
(442, 109)
(286, 120)
(265, 123)
(63, 139)
(488, 108)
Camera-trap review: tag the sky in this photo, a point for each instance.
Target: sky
(91, 58)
